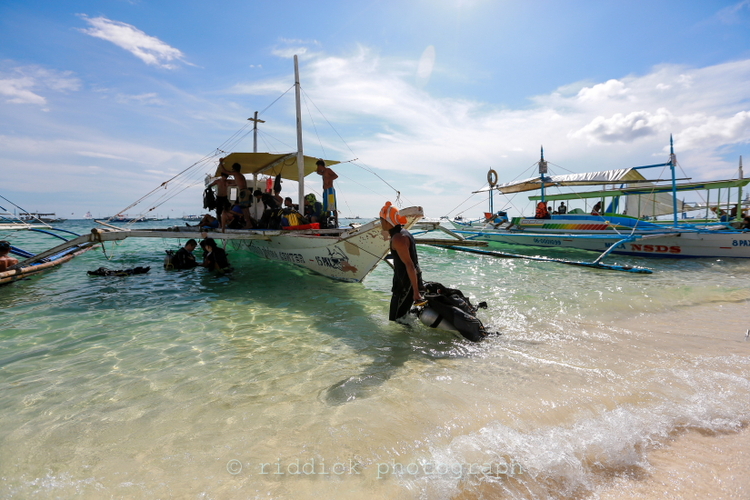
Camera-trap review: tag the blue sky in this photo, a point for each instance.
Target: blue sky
(101, 102)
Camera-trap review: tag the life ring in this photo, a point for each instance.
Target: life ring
(492, 178)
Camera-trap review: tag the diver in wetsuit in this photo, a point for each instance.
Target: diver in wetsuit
(214, 257)
(407, 278)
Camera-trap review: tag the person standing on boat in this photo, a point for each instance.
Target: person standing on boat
(6, 260)
(222, 190)
(562, 209)
(277, 191)
(329, 193)
(407, 277)
(597, 210)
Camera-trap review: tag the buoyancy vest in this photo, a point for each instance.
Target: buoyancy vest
(541, 211)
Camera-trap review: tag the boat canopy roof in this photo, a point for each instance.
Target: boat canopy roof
(271, 164)
(618, 176)
(647, 190)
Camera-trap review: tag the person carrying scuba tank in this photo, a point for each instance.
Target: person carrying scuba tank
(407, 277)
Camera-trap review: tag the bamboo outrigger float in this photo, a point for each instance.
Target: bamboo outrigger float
(34, 264)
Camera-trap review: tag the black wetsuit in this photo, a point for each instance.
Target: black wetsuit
(183, 259)
(217, 260)
(403, 293)
(222, 203)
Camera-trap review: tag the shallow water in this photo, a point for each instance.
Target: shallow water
(277, 383)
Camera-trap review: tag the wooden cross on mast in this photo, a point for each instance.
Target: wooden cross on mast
(255, 121)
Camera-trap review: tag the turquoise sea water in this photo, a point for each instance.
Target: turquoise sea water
(277, 383)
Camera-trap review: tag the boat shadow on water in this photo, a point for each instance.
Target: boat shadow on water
(330, 318)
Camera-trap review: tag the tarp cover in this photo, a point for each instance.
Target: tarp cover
(622, 175)
(271, 164)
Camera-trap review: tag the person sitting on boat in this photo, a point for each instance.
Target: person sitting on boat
(407, 277)
(258, 206)
(562, 209)
(288, 204)
(541, 211)
(721, 214)
(272, 214)
(184, 258)
(243, 195)
(313, 208)
(235, 219)
(745, 223)
(207, 222)
(6, 260)
(214, 257)
(597, 210)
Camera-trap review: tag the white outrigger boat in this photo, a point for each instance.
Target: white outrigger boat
(618, 233)
(345, 254)
(33, 264)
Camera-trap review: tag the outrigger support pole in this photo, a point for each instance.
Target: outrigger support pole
(672, 165)
(596, 264)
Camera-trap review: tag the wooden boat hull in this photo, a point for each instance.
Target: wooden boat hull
(349, 257)
(686, 244)
(339, 254)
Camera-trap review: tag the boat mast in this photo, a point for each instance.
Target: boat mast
(255, 130)
(300, 154)
(672, 163)
(739, 193)
(542, 171)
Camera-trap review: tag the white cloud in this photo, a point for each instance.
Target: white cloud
(451, 143)
(603, 91)
(626, 128)
(434, 150)
(25, 84)
(735, 14)
(717, 130)
(147, 48)
(147, 98)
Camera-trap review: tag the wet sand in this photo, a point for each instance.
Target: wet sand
(695, 466)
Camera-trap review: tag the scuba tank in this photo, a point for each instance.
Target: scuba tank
(430, 317)
(168, 259)
(449, 309)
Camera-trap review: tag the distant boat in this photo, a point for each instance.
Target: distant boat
(10, 221)
(191, 217)
(126, 218)
(48, 218)
(88, 216)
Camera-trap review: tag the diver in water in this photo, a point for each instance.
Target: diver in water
(214, 257)
(407, 277)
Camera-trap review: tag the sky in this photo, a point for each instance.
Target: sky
(103, 102)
